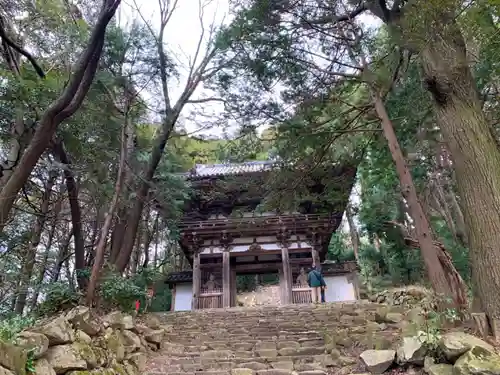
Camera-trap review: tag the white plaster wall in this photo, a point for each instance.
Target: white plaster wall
(183, 297)
(339, 289)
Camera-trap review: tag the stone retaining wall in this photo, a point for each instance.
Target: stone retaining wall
(410, 296)
(75, 343)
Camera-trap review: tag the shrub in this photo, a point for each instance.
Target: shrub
(121, 292)
(10, 327)
(118, 291)
(59, 296)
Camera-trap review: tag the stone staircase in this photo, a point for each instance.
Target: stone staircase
(272, 340)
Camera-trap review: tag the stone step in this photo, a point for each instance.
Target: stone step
(250, 344)
(244, 372)
(297, 362)
(257, 328)
(267, 340)
(236, 338)
(250, 334)
(265, 352)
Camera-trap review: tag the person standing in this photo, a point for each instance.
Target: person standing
(316, 282)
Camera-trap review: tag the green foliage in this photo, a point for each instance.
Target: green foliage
(11, 326)
(371, 261)
(30, 361)
(59, 296)
(121, 292)
(162, 299)
(338, 249)
(430, 332)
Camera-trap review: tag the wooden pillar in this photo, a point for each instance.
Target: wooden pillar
(226, 279)
(315, 256)
(287, 276)
(281, 277)
(234, 292)
(196, 279)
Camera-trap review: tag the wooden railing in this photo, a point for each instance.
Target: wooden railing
(291, 221)
(210, 299)
(301, 294)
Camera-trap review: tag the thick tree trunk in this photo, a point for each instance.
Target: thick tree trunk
(101, 245)
(120, 225)
(423, 231)
(353, 231)
(30, 258)
(475, 153)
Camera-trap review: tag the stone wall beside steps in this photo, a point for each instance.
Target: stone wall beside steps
(76, 343)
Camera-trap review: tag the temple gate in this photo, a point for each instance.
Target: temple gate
(224, 234)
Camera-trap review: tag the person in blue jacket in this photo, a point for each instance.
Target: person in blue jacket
(316, 283)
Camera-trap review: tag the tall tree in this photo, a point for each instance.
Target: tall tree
(62, 108)
(204, 65)
(272, 48)
(431, 30)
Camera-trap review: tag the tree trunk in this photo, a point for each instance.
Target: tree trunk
(435, 270)
(62, 254)
(20, 133)
(48, 247)
(475, 153)
(353, 231)
(69, 274)
(76, 214)
(149, 238)
(60, 109)
(459, 217)
(99, 216)
(29, 260)
(101, 245)
(136, 255)
(120, 225)
(443, 207)
(157, 241)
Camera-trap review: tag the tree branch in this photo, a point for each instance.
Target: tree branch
(205, 100)
(335, 19)
(10, 43)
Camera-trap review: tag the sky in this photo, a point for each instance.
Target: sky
(182, 35)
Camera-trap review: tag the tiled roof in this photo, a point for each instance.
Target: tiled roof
(179, 277)
(229, 169)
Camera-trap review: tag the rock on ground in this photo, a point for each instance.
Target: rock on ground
(377, 361)
(454, 344)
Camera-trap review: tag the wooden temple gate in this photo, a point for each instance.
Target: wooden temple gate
(223, 235)
(284, 245)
